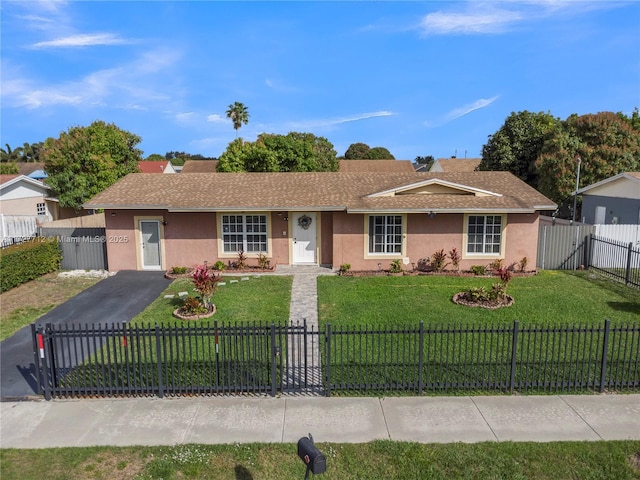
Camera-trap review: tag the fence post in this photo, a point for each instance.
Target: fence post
(159, 362)
(514, 352)
(274, 351)
(421, 359)
(605, 352)
(35, 339)
(328, 369)
(627, 276)
(590, 251)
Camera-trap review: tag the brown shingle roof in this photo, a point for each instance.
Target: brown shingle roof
(26, 168)
(375, 166)
(199, 166)
(315, 191)
(455, 164)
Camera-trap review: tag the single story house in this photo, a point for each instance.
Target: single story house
(155, 222)
(614, 200)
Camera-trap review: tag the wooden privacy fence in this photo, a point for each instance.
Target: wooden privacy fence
(83, 248)
(213, 359)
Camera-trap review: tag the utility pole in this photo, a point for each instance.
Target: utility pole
(575, 195)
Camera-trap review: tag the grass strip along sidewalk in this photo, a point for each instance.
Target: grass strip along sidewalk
(615, 460)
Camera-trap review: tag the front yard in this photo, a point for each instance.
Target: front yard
(549, 298)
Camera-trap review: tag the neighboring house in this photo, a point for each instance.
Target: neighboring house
(21, 195)
(199, 166)
(376, 166)
(33, 170)
(155, 222)
(455, 165)
(159, 166)
(615, 200)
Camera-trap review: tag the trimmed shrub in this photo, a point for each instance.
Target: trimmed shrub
(27, 261)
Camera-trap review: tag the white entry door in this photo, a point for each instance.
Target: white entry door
(150, 244)
(304, 238)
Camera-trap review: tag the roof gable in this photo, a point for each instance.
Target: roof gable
(623, 185)
(435, 186)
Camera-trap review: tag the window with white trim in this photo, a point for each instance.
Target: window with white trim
(244, 232)
(41, 209)
(385, 234)
(484, 234)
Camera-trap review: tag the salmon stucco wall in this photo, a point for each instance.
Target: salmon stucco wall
(190, 239)
(426, 235)
(121, 239)
(522, 239)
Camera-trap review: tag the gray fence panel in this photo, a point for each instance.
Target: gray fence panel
(82, 248)
(563, 247)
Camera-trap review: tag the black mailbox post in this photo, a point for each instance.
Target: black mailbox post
(313, 458)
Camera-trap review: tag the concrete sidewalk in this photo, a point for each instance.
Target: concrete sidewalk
(224, 420)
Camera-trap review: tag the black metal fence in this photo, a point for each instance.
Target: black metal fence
(619, 260)
(211, 359)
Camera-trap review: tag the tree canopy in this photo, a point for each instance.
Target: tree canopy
(83, 161)
(427, 161)
(543, 150)
(606, 144)
(294, 152)
(362, 151)
(516, 145)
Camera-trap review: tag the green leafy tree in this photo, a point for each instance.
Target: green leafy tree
(380, 153)
(605, 143)
(294, 152)
(155, 157)
(85, 160)
(238, 114)
(8, 168)
(357, 151)
(515, 147)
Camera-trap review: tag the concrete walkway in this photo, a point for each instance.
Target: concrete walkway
(228, 420)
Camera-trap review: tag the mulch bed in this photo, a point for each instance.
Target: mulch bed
(505, 301)
(183, 316)
(172, 276)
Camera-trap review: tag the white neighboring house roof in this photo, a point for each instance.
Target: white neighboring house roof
(615, 186)
(9, 181)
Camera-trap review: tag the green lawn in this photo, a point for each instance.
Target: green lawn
(549, 298)
(260, 299)
(618, 460)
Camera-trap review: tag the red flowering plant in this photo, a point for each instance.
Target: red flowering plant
(204, 282)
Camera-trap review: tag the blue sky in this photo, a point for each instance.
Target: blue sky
(419, 78)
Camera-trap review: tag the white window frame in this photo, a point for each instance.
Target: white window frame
(41, 208)
(368, 253)
(244, 242)
(484, 254)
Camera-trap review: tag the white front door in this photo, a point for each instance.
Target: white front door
(150, 244)
(304, 238)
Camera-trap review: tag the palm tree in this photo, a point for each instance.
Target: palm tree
(239, 114)
(10, 155)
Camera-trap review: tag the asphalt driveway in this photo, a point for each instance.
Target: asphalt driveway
(115, 299)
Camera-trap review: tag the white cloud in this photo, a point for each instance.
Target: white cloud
(471, 107)
(492, 21)
(132, 83)
(478, 17)
(82, 40)
(183, 117)
(216, 118)
(309, 124)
